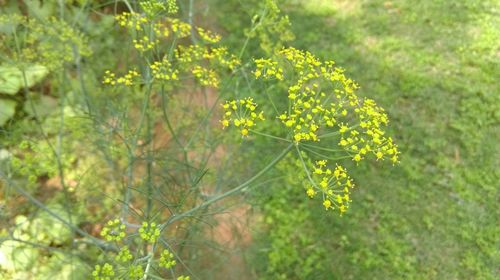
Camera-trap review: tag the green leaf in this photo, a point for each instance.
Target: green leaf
(7, 110)
(46, 229)
(61, 266)
(17, 256)
(43, 105)
(12, 80)
(41, 9)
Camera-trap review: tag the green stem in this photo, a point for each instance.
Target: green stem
(324, 156)
(304, 165)
(230, 192)
(95, 241)
(321, 148)
(270, 136)
(148, 265)
(252, 29)
(174, 134)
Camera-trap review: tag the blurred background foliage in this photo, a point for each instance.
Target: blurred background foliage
(433, 65)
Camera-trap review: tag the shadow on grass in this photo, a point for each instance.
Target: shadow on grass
(419, 219)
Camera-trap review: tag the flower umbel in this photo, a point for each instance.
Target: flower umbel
(149, 232)
(206, 77)
(124, 255)
(167, 259)
(126, 80)
(323, 104)
(268, 69)
(104, 272)
(163, 71)
(208, 36)
(113, 231)
(333, 184)
(242, 114)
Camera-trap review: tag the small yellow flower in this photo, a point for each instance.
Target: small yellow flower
(357, 158)
(245, 116)
(208, 35)
(327, 203)
(126, 80)
(310, 192)
(205, 76)
(180, 28)
(318, 171)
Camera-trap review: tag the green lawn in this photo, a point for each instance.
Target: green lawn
(434, 66)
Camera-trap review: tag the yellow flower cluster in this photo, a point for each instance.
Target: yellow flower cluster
(307, 114)
(242, 114)
(135, 272)
(322, 103)
(268, 69)
(190, 58)
(139, 22)
(321, 99)
(162, 70)
(149, 232)
(301, 60)
(208, 36)
(195, 53)
(180, 28)
(152, 8)
(272, 30)
(105, 272)
(113, 231)
(333, 184)
(155, 7)
(124, 255)
(50, 42)
(126, 80)
(145, 44)
(369, 138)
(161, 30)
(189, 54)
(167, 259)
(131, 20)
(206, 77)
(172, 7)
(223, 57)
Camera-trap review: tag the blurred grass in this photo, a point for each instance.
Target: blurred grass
(434, 66)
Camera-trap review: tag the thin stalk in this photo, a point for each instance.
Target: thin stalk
(252, 29)
(129, 7)
(149, 165)
(304, 165)
(190, 21)
(230, 192)
(174, 134)
(270, 136)
(326, 157)
(42, 206)
(148, 265)
(321, 148)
